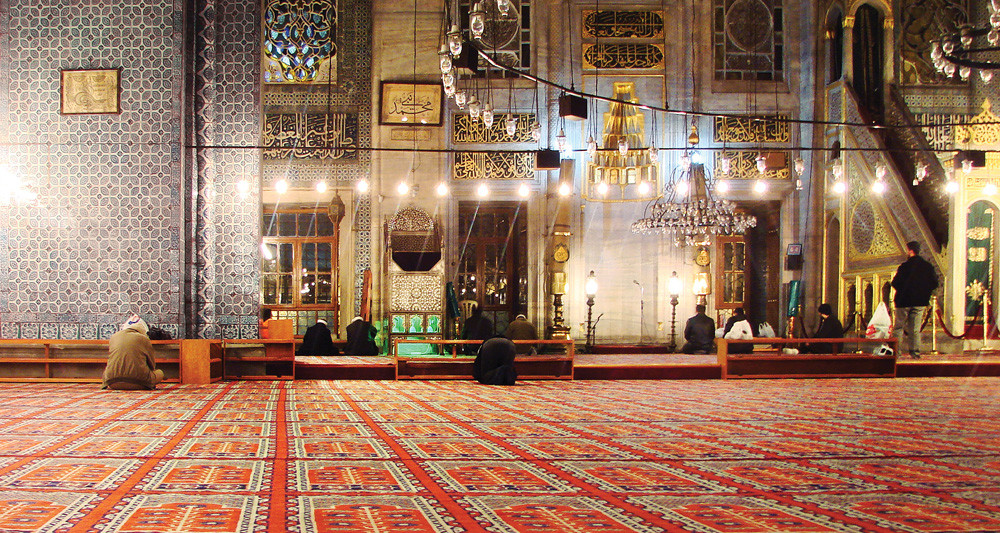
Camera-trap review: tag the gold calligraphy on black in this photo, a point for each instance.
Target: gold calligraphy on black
(625, 56)
(310, 136)
(494, 165)
(623, 24)
(470, 131)
(759, 129)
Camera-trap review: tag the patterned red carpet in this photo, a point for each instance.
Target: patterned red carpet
(916, 455)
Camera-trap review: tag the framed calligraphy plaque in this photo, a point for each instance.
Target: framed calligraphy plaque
(90, 91)
(411, 104)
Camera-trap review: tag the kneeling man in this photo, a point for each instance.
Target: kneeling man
(130, 358)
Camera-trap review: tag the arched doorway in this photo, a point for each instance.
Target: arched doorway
(869, 60)
(835, 44)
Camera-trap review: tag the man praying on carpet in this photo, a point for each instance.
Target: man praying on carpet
(494, 364)
(522, 330)
(699, 332)
(130, 358)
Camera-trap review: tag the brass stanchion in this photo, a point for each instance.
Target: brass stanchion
(934, 349)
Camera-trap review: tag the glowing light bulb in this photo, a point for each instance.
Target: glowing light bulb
(989, 189)
(602, 188)
(482, 190)
(564, 189)
(986, 75)
(455, 40)
(488, 114)
(477, 20)
(682, 187)
(760, 187)
(644, 187)
(561, 141)
(722, 186)
(951, 187)
(362, 186)
(878, 187)
(523, 191)
(948, 47)
(726, 164)
(442, 189)
(839, 187)
(243, 187)
(444, 60)
(321, 186)
(265, 251)
(403, 188)
(281, 186)
(964, 72)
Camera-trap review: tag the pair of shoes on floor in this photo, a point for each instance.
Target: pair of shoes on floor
(790, 351)
(915, 355)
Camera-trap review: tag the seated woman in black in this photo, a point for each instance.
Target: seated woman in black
(829, 328)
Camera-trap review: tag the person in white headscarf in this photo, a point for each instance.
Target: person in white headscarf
(130, 358)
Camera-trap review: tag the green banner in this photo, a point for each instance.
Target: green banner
(979, 248)
(794, 296)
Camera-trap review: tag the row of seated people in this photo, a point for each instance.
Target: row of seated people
(318, 339)
(478, 327)
(700, 332)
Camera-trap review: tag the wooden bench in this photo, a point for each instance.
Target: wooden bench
(455, 365)
(770, 362)
(193, 361)
(270, 359)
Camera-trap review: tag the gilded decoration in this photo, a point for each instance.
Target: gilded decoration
(622, 56)
(299, 41)
(310, 136)
(494, 165)
(623, 24)
(415, 292)
(938, 129)
(743, 166)
(977, 254)
(411, 219)
(474, 131)
(979, 233)
(984, 128)
(920, 24)
(869, 236)
(757, 129)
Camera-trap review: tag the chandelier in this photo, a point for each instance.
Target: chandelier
(971, 46)
(690, 213)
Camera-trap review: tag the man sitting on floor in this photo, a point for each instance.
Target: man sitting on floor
(494, 364)
(699, 332)
(317, 341)
(130, 359)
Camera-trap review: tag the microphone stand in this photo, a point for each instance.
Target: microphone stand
(642, 311)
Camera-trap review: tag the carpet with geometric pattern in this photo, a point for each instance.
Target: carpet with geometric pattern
(878, 455)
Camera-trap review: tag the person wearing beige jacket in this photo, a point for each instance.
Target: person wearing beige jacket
(130, 358)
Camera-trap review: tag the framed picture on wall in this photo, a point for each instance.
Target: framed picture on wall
(411, 104)
(794, 249)
(90, 91)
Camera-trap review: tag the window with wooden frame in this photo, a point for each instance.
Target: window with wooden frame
(299, 271)
(730, 273)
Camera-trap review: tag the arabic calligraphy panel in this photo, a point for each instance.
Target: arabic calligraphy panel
(743, 166)
(624, 56)
(411, 104)
(623, 24)
(474, 131)
(494, 165)
(328, 136)
(757, 129)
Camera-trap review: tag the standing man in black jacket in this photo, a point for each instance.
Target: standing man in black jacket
(914, 282)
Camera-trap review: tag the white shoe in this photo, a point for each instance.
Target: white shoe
(790, 351)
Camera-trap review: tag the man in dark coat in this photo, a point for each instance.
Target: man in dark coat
(317, 341)
(829, 328)
(522, 330)
(915, 281)
(361, 338)
(699, 332)
(494, 364)
(476, 327)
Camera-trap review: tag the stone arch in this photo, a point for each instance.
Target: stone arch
(833, 33)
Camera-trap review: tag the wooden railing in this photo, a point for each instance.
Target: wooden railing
(454, 365)
(768, 361)
(83, 360)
